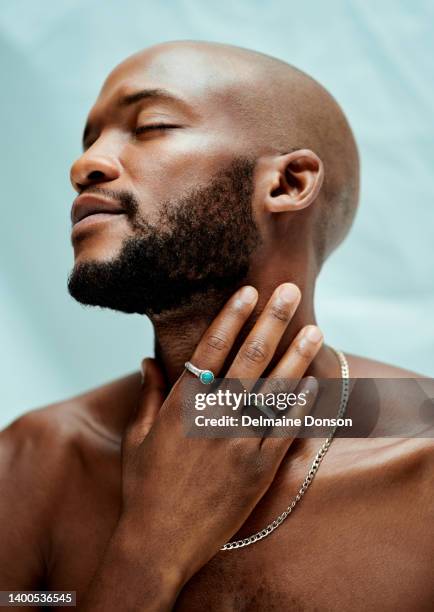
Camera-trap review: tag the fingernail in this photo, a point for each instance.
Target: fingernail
(313, 334)
(288, 292)
(311, 384)
(248, 294)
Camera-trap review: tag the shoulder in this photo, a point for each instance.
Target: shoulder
(408, 397)
(32, 445)
(103, 407)
(44, 453)
(33, 461)
(41, 447)
(386, 400)
(362, 367)
(54, 432)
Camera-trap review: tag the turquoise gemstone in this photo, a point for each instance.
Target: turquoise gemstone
(206, 377)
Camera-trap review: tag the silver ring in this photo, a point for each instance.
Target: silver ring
(205, 376)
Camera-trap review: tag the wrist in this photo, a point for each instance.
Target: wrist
(132, 578)
(154, 563)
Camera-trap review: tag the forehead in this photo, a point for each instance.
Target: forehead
(185, 72)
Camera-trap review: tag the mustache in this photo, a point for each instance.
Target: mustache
(126, 199)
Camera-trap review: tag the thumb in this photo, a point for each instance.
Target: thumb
(152, 395)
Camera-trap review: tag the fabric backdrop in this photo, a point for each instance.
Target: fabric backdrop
(375, 296)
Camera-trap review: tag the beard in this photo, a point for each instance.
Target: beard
(197, 254)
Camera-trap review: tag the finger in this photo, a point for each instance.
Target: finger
(217, 341)
(151, 398)
(280, 437)
(287, 374)
(259, 346)
(299, 355)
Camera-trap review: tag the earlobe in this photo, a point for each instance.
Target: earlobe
(295, 180)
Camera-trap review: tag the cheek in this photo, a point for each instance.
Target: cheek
(165, 168)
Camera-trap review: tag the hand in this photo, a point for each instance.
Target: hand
(183, 498)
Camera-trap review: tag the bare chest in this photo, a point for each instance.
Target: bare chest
(314, 562)
(356, 541)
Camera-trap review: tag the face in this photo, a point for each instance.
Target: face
(164, 211)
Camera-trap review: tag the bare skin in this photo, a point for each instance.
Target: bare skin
(360, 539)
(98, 492)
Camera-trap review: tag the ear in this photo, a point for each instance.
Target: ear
(292, 181)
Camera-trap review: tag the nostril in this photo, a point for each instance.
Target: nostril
(95, 175)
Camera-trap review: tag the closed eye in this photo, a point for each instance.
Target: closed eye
(152, 127)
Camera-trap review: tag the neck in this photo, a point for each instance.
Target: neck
(177, 335)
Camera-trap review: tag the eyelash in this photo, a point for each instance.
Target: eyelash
(158, 126)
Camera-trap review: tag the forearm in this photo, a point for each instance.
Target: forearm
(131, 578)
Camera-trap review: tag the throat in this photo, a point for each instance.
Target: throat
(175, 342)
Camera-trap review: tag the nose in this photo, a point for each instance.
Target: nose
(91, 169)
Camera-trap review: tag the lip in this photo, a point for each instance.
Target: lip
(86, 205)
(92, 222)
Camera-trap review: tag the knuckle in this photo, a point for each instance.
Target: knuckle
(236, 450)
(257, 470)
(275, 452)
(255, 351)
(277, 385)
(249, 465)
(246, 457)
(238, 456)
(280, 312)
(217, 340)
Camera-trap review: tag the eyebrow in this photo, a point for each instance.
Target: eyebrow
(151, 94)
(145, 94)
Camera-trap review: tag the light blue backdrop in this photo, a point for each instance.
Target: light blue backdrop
(376, 295)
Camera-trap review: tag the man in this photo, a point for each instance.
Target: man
(214, 183)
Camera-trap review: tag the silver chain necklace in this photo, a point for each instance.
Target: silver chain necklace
(259, 535)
